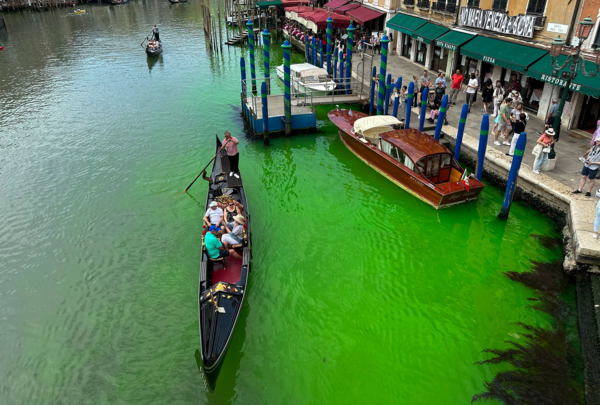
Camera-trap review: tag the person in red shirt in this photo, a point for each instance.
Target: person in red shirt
(457, 82)
(233, 154)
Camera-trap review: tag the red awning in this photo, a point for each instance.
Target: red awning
(320, 20)
(346, 8)
(335, 3)
(291, 3)
(362, 14)
(298, 9)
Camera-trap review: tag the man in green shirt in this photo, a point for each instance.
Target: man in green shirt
(214, 247)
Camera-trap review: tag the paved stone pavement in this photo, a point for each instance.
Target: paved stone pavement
(569, 147)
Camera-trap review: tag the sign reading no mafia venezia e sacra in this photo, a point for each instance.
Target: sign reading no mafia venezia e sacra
(520, 25)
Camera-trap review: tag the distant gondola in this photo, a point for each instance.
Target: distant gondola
(118, 1)
(177, 1)
(222, 286)
(153, 50)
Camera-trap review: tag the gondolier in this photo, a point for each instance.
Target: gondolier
(155, 33)
(230, 144)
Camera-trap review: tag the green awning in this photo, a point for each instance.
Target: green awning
(267, 4)
(429, 32)
(542, 70)
(405, 23)
(502, 53)
(453, 39)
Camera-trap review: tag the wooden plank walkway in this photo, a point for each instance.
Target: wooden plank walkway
(275, 107)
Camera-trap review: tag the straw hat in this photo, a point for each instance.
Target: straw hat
(239, 219)
(550, 132)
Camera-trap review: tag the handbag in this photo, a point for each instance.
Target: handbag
(537, 149)
(547, 149)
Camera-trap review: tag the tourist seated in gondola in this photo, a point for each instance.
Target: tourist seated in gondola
(214, 247)
(236, 233)
(231, 210)
(214, 215)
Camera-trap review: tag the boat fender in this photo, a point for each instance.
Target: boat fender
(242, 281)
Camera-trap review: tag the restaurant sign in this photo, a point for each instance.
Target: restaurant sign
(497, 21)
(560, 82)
(446, 45)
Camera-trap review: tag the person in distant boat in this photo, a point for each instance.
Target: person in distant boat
(155, 33)
(214, 214)
(214, 247)
(233, 154)
(235, 235)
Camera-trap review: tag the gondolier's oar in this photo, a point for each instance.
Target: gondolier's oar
(202, 171)
(145, 39)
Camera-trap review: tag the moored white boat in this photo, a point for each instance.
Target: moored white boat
(310, 79)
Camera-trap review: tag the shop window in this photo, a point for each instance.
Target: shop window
(569, 94)
(473, 3)
(499, 5)
(536, 7)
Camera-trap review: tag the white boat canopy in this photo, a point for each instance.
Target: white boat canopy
(370, 127)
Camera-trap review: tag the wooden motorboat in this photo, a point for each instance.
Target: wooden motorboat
(410, 158)
(310, 79)
(222, 286)
(153, 50)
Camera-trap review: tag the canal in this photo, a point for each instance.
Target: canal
(359, 293)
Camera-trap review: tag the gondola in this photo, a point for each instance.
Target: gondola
(118, 1)
(222, 285)
(177, 1)
(154, 51)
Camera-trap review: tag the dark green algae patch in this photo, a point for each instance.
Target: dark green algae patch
(547, 368)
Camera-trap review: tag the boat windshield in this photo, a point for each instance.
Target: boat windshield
(396, 153)
(436, 167)
(316, 79)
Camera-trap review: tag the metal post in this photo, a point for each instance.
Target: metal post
(441, 117)
(243, 70)
(287, 101)
(397, 99)
(349, 57)
(423, 112)
(382, 70)
(513, 175)
(335, 62)
(388, 89)
(483, 138)
(329, 44)
(461, 130)
(250, 27)
(266, 41)
(372, 104)
(411, 88)
(265, 112)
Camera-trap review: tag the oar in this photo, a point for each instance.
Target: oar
(202, 171)
(145, 39)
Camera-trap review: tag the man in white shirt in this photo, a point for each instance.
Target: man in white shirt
(214, 215)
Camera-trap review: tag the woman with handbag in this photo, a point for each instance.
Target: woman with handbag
(542, 149)
(590, 168)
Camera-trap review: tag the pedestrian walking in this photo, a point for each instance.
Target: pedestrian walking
(590, 168)
(542, 149)
(471, 91)
(552, 112)
(457, 82)
(478, 84)
(595, 133)
(498, 97)
(597, 221)
(502, 121)
(441, 79)
(361, 45)
(378, 44)
(415, 91)
(518, 127)
(231, 144)
(424, 82)
(487, 95)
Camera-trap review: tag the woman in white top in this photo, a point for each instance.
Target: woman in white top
(471, 90)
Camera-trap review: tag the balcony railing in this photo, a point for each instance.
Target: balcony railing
(409, 3)
(444, 8)
(423, 4)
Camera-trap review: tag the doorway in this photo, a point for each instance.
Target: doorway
(406, 45)
(590, 113)
(440, 59)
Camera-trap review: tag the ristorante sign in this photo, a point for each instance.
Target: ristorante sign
(497, 21)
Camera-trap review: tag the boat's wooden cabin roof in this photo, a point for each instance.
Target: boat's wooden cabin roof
(414, 143)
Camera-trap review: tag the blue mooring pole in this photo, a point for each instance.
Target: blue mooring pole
(388, 90)
(314, 51)
(382, 73)
(461, 130)
(243, 70)
(483, 138)
(265, 112)
(329, 40)
(441, 117)
(423, 113)
(321, 50)
(250, 27)
(513, 175)
(335, 62)
(342, 70)
(411, 88)
(266, 40)
(349, 56)
(397, 99)
(306, 48)
(372, 95)
(287, 101)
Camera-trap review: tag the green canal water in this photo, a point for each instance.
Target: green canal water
(359, 292)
